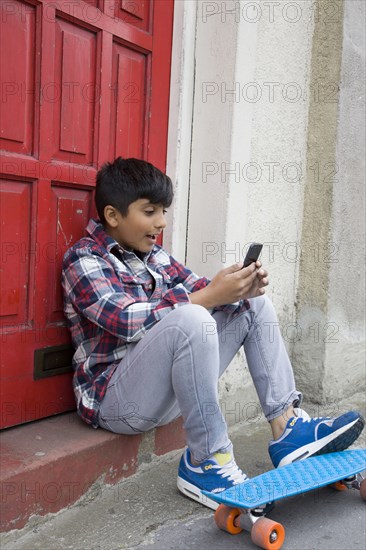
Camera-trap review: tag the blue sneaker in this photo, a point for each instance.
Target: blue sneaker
(305, 436)
(214, 475)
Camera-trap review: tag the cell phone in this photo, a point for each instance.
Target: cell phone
(253, 254)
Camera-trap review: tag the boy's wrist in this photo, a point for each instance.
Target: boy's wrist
(203, 298)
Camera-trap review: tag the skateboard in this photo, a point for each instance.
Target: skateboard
(245, 505)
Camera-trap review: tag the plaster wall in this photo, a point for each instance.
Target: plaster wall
(180, 125)
(345, 354)
(330, 299)
(278, 151)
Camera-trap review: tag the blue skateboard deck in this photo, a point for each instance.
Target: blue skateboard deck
(293, 479)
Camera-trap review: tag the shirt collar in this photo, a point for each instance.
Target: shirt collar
(97, 232)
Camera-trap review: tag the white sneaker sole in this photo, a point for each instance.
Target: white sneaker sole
(312, 448)
(193, 492)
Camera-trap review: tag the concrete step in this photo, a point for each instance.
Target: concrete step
(49, 464)
(146, 512)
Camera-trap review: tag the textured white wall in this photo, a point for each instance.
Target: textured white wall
(278, 149)
(216, 46)
(180, 125)
(345, 350)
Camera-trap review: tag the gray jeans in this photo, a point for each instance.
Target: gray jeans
(174, 370)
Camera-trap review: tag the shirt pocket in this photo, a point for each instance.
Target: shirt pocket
(169, 274)
(132, 285)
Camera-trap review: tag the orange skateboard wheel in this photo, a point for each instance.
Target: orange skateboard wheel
(339, 486)
(268, 534)
(225, 519)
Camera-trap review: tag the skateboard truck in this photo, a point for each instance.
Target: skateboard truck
(264, 532)
(352, 482)
(247, 518)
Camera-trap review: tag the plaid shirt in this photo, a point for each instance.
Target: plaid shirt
(113, 297)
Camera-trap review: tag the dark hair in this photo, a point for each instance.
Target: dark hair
(123, 181)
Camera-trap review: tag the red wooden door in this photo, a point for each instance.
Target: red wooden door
(82, 81)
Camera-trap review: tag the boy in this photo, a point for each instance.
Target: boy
(152, 338)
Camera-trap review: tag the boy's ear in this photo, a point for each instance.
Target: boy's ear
(110, 215)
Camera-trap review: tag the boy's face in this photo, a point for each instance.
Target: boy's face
(140, 228)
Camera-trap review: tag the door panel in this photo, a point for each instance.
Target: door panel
(15, 216)
(128, 110)
(70, 209)
(18, 77)
(134, 12)
(82, 82)
(74, 94)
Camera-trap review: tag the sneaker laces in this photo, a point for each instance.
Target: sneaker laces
(317, 418)
(232, 471)
(300, 413)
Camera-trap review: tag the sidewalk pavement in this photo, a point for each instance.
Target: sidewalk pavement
(146, 510)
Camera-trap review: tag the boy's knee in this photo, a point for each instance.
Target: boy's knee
(261, 302)
(196, 318)
(194, 312)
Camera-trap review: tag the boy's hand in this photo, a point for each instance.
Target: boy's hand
(260, 282)
(234, 283)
